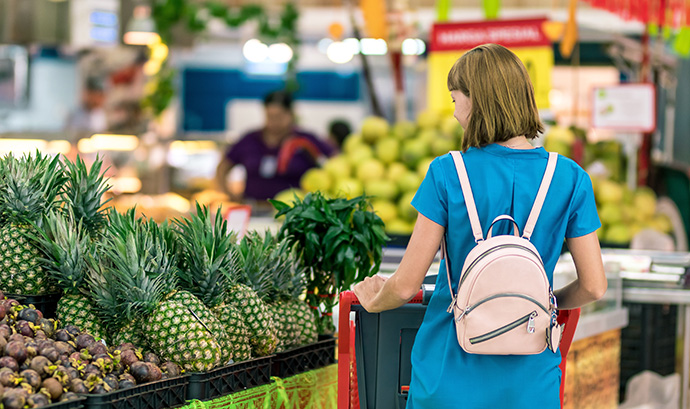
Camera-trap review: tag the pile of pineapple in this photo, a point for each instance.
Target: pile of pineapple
(185, 289)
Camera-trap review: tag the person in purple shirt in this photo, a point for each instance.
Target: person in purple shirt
(275, 157)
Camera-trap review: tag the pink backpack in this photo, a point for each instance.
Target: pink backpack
(504, 304)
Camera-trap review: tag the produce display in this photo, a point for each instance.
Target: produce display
(184, 290)
(40, 364)
(386, 162)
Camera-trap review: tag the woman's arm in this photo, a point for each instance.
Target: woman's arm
(222, 171)
(376, 294)
(590, 284)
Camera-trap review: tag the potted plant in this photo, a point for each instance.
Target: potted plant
(340, 241)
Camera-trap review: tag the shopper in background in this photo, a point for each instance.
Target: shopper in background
(276, 156)
(338, 130)
(494, 102)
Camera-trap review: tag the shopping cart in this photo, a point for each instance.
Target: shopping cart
(374, 351)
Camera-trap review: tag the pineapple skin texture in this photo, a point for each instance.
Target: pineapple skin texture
(20, 270)
(78, 310)
(254, 312)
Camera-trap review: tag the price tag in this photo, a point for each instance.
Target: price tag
(238, 219)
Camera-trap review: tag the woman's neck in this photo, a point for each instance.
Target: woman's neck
(274, 139)
(517, 142)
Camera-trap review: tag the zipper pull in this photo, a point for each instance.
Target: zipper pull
(452, 305)
(531, 327)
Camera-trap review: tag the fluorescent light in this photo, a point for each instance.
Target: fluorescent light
(280, 52)
(413, 46)
(125, 184)
(323, 44)
(18, 146)
(59, 146)
(374, 46)
(255, 51)
(108, 142)
(353, 45)
(339, 52)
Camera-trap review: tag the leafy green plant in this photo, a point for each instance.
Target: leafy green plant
(340, 241)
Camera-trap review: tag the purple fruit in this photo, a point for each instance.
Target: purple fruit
(3, 311)
(74, 331)
(127, 377)
(140, 372)
(28, 314)
(84, 340)
(68, 396)
(47, 326)
(77, 386)
(171, 369)
(24, 328)
(13, 400)
(54, 388)
(111, 381)
(16, 350)
(92, 369)
(97, 348)
(41, 365)
(63, 335)
(17, 337)
(38, 400)
(155, 373)
(125, 384)
(3, 343)
(64, 348)
(98, 389)
(125, 346)
(51, 353)
(7, 377)
(5, 331)
(31, 377)
(151, 357)
(129, 357)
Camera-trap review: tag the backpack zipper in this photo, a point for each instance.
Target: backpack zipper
(529, 319)
(477, 260)
(468, 309)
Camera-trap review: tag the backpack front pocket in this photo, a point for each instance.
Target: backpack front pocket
(527, 319)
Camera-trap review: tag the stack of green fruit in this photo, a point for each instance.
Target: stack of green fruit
(181, 290)
(624, 212)
(385, 162)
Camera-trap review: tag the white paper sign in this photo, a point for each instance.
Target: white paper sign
(626, 107)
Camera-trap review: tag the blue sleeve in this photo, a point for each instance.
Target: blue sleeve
(431, 199)
(583, 218)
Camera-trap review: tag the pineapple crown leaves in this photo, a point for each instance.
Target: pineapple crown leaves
(141, 263)
(105, 292)
(84, 194)
(65, 249)
(31, 187)
(207, 255)
(339, 238)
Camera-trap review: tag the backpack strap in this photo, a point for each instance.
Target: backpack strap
(467, 194)
(541, 196)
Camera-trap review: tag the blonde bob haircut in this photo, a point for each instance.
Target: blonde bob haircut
(501, 94)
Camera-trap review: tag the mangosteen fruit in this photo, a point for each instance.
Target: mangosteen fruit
(63, 347)
(171, 369)
(155, 373)
(3, 311)
(31, 377)
(51, 353)
(5, 331)
(41, 365)
(99, 389)
(75, 356)
(84, 340)
(140, 372)
(77, 386)
(28, 314)
(125, 384)
(127, 377)
(16, 350)
(111, 381)
(125, 346)
(31, 349)
(72, 372)
(10, 363)
(13, 399)
(97, 348)
(73, 330)
(54, 388)
(91, 369)
(68, 396)
(8, 377)
(24, 328)
(17, 337)
(129, 357)
(63, 335)
(10, 302)
(151, 357)
(38, 400)
(3, 342)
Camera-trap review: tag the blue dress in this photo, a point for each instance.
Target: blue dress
(504, 181)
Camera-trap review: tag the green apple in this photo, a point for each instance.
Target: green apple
(386, 210)
(338, 167)
(405, 209)
(387, 150)
(381, 189)
(316, 179)
(395, 170)
(370, 169)
(404, 130)
(409, 181)
(373, 129)
(347, 187)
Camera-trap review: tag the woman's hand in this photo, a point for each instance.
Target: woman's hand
(367, 290)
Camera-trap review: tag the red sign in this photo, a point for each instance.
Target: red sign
(508, 33)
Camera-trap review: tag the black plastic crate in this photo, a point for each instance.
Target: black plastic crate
(649, 341)
(305, 358)
(232, 378)
(47, 304)
(70, 404)
(166, 393)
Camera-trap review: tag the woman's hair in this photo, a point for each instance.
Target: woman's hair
(282, 98)
(501, 93)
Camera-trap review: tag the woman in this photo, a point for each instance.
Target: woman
(275, 157)
(494, 102)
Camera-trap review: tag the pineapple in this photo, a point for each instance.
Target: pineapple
(174, 323)
(84, 195)
(67, 248)
(244, 299)
(207, 257)
(306, 324)
(29, 189)
(270, 277)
